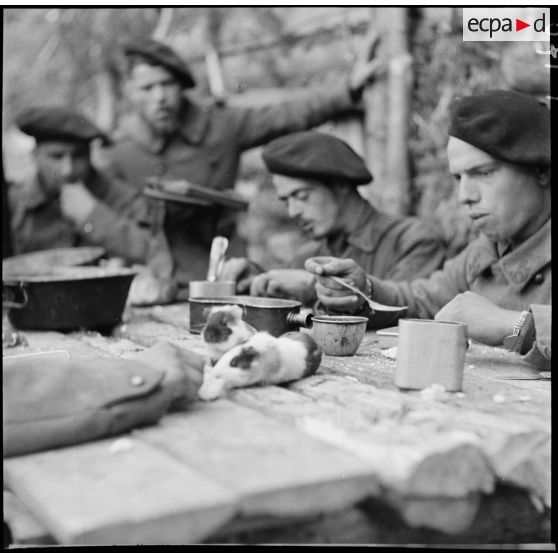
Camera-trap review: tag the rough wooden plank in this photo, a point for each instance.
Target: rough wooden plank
(485, 366)
(146, 331)
(93, 494)
(521, 400)
(505, 520)
(411, 463)
(276, 470)
(518, 452)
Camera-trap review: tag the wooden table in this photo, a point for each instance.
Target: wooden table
(341, 457)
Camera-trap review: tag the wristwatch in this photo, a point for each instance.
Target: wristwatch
(522, 332)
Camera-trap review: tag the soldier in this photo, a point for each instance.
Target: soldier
(317, 175)
(500, 285)
(171, 136)
(67, 201)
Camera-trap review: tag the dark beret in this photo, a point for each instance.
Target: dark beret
(315, 155)
(163, 55)
(508, 125)
(57, 123)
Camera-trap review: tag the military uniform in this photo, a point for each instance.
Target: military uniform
(383, 245)
(514, 128)
(121, 220)
(519, 279)
(206, 150)
(387, 246)
(37, 222)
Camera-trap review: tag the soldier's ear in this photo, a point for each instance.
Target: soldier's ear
(543, 176)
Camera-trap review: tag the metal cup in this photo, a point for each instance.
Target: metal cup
(208, 289)
(430, 352)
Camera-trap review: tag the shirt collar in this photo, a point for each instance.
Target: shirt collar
(368, 226)
(35, 194)
(195, 120)
(520, 264)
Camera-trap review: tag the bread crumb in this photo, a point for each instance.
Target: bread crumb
(390, 353)
(120, 445)
(434, 392)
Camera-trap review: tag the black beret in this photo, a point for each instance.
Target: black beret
(57, 123)
(508, 125)
(163, 55)
(315, 155)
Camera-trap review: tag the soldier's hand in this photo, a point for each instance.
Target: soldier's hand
(295, 284)
(76, 202)
(183, 370)
(367, 66)
(239, 270)
(486, 322)
(332, 295)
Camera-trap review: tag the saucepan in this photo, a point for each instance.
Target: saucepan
(47, 260)
(66, 298)
(274, 315)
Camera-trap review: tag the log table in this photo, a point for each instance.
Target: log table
(340, 457)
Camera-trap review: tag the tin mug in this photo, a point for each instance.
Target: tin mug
(430, 352)
(205, 289)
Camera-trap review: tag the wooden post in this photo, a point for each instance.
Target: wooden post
(388, 105)
(164, 23)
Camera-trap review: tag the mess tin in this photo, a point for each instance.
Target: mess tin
(66, 298)
(210, 289)
(430, 352)
(274, 315)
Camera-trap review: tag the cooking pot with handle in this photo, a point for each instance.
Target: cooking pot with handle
(274, 315)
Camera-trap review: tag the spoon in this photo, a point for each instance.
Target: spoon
(373, 305)
(217, 257)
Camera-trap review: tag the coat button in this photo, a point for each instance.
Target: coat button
(538, 279)
(137, 381)
(87, 228)
(160, 169)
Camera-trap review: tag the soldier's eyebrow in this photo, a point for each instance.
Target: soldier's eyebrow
(476, 169)
(482, 167)
(292, 193)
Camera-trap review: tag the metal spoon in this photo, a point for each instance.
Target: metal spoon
(373, 305)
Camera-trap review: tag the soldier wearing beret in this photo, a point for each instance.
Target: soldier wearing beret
(169, 135)
(500, 285)
(317, 175)
(67, 201)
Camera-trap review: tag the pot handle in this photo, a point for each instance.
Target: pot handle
(17, 287)
(300, 319)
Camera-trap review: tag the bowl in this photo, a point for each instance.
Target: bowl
(339, 335)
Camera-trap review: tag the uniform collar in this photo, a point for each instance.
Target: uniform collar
(367, 225)
(194, 122)
(35, 194)
(520, 264)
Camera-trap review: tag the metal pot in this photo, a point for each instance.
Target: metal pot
(67, 298)
(45, 261)
(274, 315)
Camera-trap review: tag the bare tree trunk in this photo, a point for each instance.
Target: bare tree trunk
(214, 22)
(164, 23)
(105, 84)
(388, 106)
